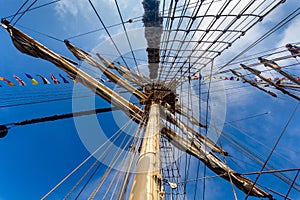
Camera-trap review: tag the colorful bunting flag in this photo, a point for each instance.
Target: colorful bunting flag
(33, 81)
(21, 82)
(9, 83)
(54, 79)
(44, 79)
(73, 79)
(63, 78)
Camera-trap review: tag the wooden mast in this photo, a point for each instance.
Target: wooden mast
(147, 182)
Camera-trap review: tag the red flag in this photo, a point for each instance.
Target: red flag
(9, 83)
(54, 79)
(21, 82)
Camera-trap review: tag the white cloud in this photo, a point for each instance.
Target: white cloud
(291, 33)
(107, 9)
(67, 7)
(78, 17)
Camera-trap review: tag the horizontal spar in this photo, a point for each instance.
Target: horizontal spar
(4, 128)
(29, 46)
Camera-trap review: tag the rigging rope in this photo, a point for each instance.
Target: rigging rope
(234, 39)
(289, 190)
(206, 123)
(279, 25)
(83, 162)
(188, 30)
(127, 37)
(83, 177)
(13, 16)
(130, 141)
(34, 8)
(112, 163)
(136, 143)
(256, 158)
(23, 13)
(198, 162)
(88, 181)
(43, 34)
(107, 32)
(273, 149)
(106, 150)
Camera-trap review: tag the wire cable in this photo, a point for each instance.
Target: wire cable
(23, 13)
(273, 149)
(13, 16)
(107, 32)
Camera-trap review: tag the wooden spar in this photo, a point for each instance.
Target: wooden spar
(192, 134)
(295, 50)
(276, 67)
(138, 76)
(252, 83)
(82, 55)
(289, 85)
(257, 73)
(179, 110)
(213, 163)
(123, 73)
(255, 64)
(190, 117)
(29, 46)
(147, 182)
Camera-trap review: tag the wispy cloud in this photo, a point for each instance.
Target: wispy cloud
(289, 36)
(66, 7)
(107, 10)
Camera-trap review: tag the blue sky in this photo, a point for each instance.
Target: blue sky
(36, 157)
